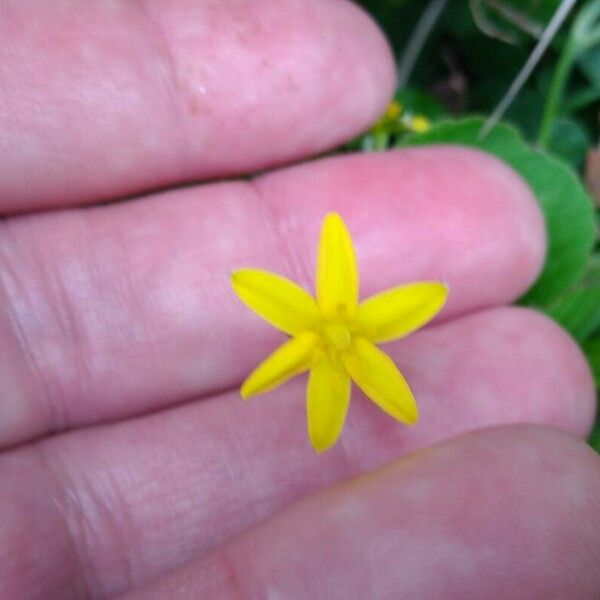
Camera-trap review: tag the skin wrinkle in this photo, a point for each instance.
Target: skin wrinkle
(80, 332)
(59, 315)
(172, 84)
(65, 324)
(126, 292)
(121, 533)
(15, 324)
(295, 260)
(75, 517)
(90, 516)
(73, 330)
(234, 441)
(230, 579)
(62, 501)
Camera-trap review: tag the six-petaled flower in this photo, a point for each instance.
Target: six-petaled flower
(334, 336)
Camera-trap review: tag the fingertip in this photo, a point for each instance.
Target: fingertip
(321, 76)
(574, 408)
(517, 199)
(212, 89)
(455, 203)
(374, 71)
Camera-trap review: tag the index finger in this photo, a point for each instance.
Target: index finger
(104, 99)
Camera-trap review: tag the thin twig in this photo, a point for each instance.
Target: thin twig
(557, 20)
(417, 40)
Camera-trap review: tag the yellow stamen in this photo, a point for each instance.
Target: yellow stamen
(420, 124)
(337, 336)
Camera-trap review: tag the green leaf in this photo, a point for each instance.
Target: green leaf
(419, 102)
(578, 311)
(589, 63)
(592, 353)
(591, 275)
(507, 20)
(581, 98)
(570, 141)
(594, 439)
(567, 208)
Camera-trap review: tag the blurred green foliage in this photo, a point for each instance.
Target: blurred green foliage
(512, 20)
(466, 62)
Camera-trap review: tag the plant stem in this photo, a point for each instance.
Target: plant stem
(581, 99)
(417, 40)
(555, 93)
(562, 12)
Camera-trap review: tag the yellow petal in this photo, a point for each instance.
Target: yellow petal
(337, 274)
(276, 299)
(327, 399)
(291, 358)
(400, 310)
(378, 377)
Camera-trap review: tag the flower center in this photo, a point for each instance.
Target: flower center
(337, 335)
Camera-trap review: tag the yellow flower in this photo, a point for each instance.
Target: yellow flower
(420, 124)
(334, 336)
(389, 120)
(393, 110)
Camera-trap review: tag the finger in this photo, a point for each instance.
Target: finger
(113, 311)
(145, 496)
(115, 98)
(505, 513)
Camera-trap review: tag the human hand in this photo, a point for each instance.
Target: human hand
(128, 454)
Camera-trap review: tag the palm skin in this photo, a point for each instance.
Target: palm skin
(130, 465)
